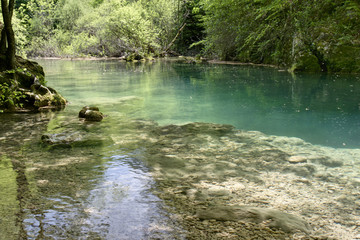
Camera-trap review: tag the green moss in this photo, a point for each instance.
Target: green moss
(345, 59)
(8, 201)
(306, 63)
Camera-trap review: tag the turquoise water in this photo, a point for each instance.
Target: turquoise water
(321, 109)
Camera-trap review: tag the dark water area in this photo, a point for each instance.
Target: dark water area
(99, 184)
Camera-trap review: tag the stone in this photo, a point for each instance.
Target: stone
(61, 138)
(69, 139)
(272, 218)
(91, 114)
(306, 170)
(297, 159)
(84, 109)
(327, 161)
(95, 116)
(218, 191)
(31, 73)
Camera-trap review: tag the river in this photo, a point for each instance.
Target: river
(110, 184)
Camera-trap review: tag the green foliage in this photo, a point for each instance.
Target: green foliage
(281, 32)
(20, 33)
(10, 96)
(128, 28)
(190, 40)
(95, 27)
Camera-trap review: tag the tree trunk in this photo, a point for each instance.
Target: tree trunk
(3, 40)
(7, 12)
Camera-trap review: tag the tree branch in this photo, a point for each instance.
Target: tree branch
(177, 35)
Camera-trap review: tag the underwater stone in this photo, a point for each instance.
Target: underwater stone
(297, 159)
(302, 171)
(70, 139)
(61, 138)
(273, 218)
(327, 161)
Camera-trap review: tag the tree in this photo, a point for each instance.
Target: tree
(7, 44)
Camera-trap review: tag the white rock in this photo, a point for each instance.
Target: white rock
(297, 159)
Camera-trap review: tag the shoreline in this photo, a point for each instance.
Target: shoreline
(179, 58)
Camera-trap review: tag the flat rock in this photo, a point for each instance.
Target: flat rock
(69, 139)
(273, 218)
(297, 159)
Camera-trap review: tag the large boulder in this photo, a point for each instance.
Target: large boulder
(25, 89)
(28, 71)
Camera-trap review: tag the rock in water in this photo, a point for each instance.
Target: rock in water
(91, 114)
(297, 159)
(72, 139)
(274, 218)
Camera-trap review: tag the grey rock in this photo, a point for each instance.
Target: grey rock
(306, 170)
(327, 161)
(69, 139)
(273, 218)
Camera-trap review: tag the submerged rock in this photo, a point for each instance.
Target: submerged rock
(61, 138)
(91, 114)
(73, 139)
(271, 217)
(297, 159)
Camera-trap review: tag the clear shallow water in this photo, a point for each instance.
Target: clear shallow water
(321, 109)
(94, 190)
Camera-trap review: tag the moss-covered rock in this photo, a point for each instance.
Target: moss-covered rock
(91, 114)
(24, 89)
(306, 63)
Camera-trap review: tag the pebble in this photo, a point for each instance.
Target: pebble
(297, 159)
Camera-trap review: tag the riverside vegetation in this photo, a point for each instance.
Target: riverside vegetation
(298, 35)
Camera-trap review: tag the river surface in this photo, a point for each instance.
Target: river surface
(102, 187)
(321, 109)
